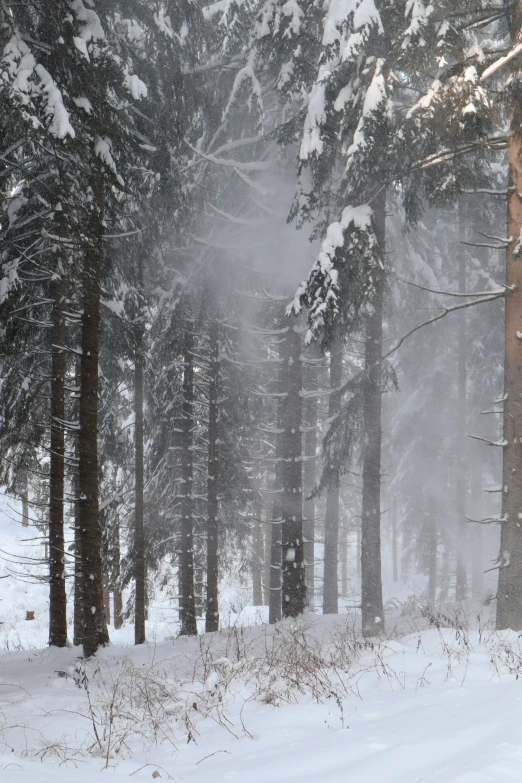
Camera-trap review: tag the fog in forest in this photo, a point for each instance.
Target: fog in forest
(261, 389)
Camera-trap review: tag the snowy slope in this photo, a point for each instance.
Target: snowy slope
(303, 702)
(432, 707)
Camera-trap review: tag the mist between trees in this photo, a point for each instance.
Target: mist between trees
(261, 309)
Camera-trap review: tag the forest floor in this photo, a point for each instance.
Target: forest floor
(303, 702)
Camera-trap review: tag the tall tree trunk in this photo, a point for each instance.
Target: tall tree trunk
(257, 555)
(371, 580)
(107, 598)
(95, 632)
(116, 574)
(309, 507)
(57, 596)
(344, 556)
(461, 588)
(212, 609)
(274, 610)
(188, 607)
(432, 552)
(331, 521)
(78, 579)
(395, 547)
(294, 586)
(477, 567)
(24, 494)
(139, 529)
(267, 542)
(509, 595)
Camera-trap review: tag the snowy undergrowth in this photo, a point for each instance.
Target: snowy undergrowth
(202, 709)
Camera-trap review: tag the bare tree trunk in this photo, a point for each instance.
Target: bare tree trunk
(257, 553)
(344, 556)
(57, 596)
(188, 607)
(274, 611)
(432, 552)
(117, 596)
(461, 589)
(309, 507)
(107, 598)
(139, 482)
(395, 548)
(331, 521)
(267, 540)
(509, 596)
(212, 609)
(294, 585)
(24, 494)
(78, 579)
(371, 580)
(95, 632)
(477, 567)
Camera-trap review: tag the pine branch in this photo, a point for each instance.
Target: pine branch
(446, 311)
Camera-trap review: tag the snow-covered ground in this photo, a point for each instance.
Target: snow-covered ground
(305, 701)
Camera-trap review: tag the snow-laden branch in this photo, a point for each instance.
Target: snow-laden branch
(255, 165)
(498, 64)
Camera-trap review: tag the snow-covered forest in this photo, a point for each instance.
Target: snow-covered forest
(261, 390)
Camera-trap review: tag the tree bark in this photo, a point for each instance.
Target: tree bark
(257, 555)
(275, 537)
(57, 596)
(371, 580)
(395, 548)
(509, 595)
(95, 632)
(25, 497)
(477, 566)
(188, 606)
(212, 608)
(78, 579)
(461, 587)
(117, 605)
(432, 552)
(294, 585)
(139, 529)
(309, 507)
(331, 521)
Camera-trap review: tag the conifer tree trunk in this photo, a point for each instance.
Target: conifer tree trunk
(274, 610)
(461, 588)
(509, 595)
(309, 507)
(477, 567)
(371, 580)
(188, 605)
(432, 552)
(257, 554)
(139, 530)
(331, 521)
(95, 632)
(78, 580)
(212, 608)
(294, 586)
(117, 604)
(107, 598)
(57, 596)
(395, 548)
(267, 543)
(344, 556)
(25, 498)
